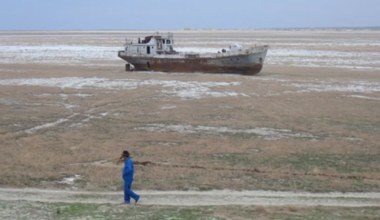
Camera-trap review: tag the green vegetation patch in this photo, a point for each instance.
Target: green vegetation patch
(106, 211)
(76, 211)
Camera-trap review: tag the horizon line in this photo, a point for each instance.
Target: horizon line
(199, 29)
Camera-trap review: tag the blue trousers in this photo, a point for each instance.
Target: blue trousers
(128, 193)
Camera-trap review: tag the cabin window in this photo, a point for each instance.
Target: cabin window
(163, 41)
(168, 41)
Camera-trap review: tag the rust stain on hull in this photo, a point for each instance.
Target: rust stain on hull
(189, 67)
(230, 65)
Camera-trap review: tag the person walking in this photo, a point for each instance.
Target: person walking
(128, 173)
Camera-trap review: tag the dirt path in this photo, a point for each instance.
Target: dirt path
(195, 198)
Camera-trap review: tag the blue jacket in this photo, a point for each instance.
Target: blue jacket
(128, 170)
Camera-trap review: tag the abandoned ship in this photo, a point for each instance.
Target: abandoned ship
(156, 53)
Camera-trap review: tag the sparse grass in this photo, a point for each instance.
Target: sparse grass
(62, 211)
(346, 130)
(356, 163)
(346, 134)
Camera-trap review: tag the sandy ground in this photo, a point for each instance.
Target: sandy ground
(196, 198)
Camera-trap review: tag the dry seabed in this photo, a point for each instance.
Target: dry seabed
(308, 121)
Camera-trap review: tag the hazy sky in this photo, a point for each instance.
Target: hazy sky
(177, 14)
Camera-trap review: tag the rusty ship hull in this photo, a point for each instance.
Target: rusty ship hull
(249, 62)
(156, 53)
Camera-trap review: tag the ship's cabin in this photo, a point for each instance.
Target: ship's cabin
(151, 45)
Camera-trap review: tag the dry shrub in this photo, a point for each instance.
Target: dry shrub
(262, 210)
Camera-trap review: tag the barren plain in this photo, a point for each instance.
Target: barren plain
(309, 122)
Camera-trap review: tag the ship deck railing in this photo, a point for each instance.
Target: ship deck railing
(190, 55)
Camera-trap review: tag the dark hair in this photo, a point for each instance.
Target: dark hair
(125, 153)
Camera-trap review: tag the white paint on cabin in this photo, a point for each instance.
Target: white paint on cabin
(151, 45)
